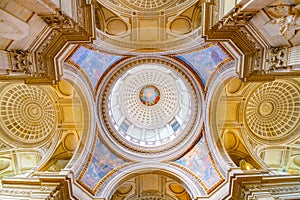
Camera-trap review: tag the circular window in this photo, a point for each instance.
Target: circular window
(150, 107)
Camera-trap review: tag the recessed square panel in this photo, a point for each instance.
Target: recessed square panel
(149, 30)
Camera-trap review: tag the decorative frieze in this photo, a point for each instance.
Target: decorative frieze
(40, 63)
(40, 59)
(26, 64)
(257, 59)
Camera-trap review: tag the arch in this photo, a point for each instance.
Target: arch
(218, 152)
(78, 81)
(191, 186)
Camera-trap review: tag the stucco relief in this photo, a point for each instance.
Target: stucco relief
(287, 17)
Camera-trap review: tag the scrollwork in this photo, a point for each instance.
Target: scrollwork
(257, 58)
(57, 20)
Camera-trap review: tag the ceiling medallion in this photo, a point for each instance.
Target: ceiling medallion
(150, 107)
(266, 108)
(149, 95)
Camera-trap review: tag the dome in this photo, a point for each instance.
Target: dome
(153, 5)
(31, 114)
(272, 111)
(150, 107)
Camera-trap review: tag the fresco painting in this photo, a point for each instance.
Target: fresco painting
(205, 61)
(93, 63)
(198, 161)
(101, 163)
(149, 95)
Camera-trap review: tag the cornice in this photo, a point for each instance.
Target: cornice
(259, 61)
(39, 64)
(256, 184)
(46, 186)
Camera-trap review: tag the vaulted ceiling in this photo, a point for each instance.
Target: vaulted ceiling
(140, 99)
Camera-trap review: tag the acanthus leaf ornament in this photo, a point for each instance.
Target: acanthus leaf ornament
(21, 62)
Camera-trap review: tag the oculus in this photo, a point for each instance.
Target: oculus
(149, 95)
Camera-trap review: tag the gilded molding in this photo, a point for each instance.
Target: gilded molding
(257, 55)
(257, 60)
(234, 28)
(40, 57)
(57, 187)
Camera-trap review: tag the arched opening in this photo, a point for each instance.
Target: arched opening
(151, 185)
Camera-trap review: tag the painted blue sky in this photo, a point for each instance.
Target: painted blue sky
(93, 63)
(204, 62)
(101, 163)
(197, 160)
